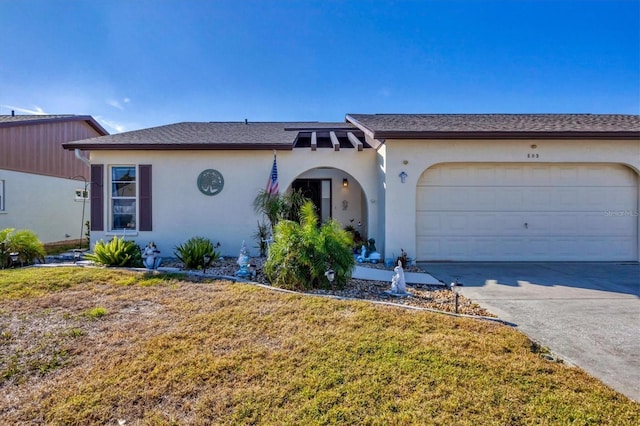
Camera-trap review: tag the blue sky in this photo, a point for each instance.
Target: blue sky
(141, 63)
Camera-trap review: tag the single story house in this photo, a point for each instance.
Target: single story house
(443, 187)
(42, 185)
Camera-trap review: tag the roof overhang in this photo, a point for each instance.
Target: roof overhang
(504, 135)
(382, 135)
(175, 147)
(86, 118)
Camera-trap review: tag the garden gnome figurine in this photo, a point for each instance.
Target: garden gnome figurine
(243, 262)
(398, 284)
(150, 256)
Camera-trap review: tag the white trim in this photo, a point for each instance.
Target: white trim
(110, 198)
(121, 234)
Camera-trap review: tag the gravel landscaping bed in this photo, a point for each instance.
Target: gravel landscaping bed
(423, 296)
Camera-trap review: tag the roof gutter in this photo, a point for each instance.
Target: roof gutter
(173, 147)
(79, 156)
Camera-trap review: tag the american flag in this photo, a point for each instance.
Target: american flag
(272, 183)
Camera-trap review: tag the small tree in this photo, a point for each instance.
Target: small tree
(276, 207)
(303, 252)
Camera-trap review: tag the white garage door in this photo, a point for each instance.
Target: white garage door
(527, 212)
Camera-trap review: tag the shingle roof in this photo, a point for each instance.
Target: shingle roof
(382, 126)
(281, 135)
(212, 135)
(23, 120)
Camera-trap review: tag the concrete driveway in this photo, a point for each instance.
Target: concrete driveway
(588, 314)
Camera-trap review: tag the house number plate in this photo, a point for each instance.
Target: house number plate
(210, 182)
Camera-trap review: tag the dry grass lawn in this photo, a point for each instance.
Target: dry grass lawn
(95, 346)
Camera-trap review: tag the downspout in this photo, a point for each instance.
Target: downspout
(81, 158)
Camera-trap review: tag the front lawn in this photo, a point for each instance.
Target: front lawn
(95, 346)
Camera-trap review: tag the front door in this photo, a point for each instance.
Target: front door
(319, 192)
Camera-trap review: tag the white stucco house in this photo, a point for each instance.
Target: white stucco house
(470, 187)
(42, 185)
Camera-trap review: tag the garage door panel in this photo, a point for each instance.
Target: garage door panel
(527, 212)
(430, 247)
(484, 223)
(427, 223)
(603, 224)
(597, 224)
(567, 224)
(564, 198)
(602, 198)
(619, 199)
(515, 249)
(592, 175)
(456, 224)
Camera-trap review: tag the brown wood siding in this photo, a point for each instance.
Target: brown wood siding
(146, 215)
(37, 148)
(97, 197)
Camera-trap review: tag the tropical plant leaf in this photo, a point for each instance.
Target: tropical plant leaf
(24, 242)
(303, 252)
(117, 252)
(193, 253)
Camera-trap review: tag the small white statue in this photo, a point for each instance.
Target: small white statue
(150, 256)
(398, 284)
(243, 262)
(243, 257)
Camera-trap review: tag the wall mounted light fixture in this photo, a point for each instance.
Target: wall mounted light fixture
(345, 183)
(403, 176)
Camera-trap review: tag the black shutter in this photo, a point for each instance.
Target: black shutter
(97, 197)
(145, 198)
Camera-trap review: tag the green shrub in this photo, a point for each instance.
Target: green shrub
(192, 253)
(23, 242)
(303, 252)
(117, 252)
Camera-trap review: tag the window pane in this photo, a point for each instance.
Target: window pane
(124, 214)
(123, 189)
(126, 174)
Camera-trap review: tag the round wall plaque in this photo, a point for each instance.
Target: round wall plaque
(210, 182)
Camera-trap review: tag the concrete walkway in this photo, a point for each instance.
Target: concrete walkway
(586, 313)
(374, 274)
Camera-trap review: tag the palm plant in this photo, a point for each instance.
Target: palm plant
(279, 206)
(197, 253)
(117, 252)
(23, 242)
(303, 252)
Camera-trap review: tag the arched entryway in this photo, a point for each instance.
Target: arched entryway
(336, 194)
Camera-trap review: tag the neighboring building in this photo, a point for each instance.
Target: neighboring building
(39, 179)
(490, 187)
